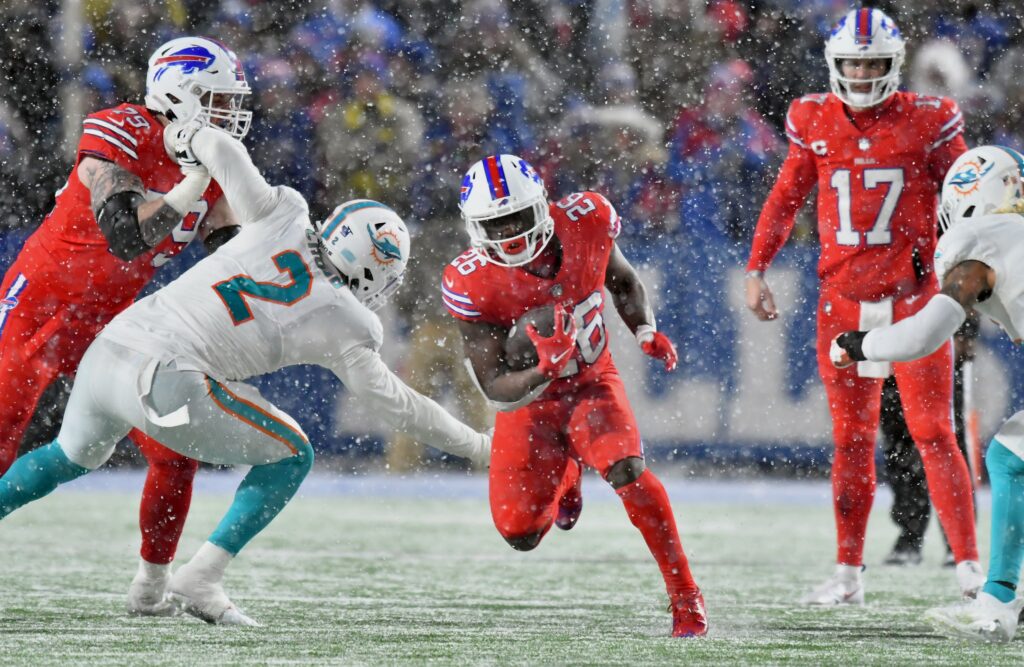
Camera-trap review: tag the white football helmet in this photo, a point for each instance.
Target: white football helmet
(864, 34)
(369, 245)
(196, 77)
(497, 186)
(983, 180)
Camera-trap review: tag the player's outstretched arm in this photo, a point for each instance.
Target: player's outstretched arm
(924, 332)
(367, 376)
(130, 224)
(634, 307)
(485, 347)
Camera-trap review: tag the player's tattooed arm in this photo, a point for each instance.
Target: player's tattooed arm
(969, 283)
(485, 347)
(219, 226)
(628, 292)
(131, 224)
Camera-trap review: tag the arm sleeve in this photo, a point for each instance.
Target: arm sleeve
(227, 160)
(367, 376)
(796, 179)
(918, 335)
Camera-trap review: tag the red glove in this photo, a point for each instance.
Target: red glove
(656, 344)
(554, 353)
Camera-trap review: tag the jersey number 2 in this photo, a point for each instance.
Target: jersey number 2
(234, 291)
(879, 234)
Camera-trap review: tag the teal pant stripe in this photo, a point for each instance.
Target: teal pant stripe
(343, 213)
(261, 496)
(35, 475)
(255, 415)
(1006, 475)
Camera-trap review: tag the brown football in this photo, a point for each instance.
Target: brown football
(520, 353)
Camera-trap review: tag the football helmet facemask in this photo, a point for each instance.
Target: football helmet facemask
(984, 180)
(368, 244)
(493, 190)
(197, 78)
(864, 34)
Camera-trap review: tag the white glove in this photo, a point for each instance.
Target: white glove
(181, 135)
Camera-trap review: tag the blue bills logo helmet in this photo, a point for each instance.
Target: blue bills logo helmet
(195, 78)
(984, 180)
(368, 244)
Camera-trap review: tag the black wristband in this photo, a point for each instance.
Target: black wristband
(852, 342)
(219, 237)
(118, 219)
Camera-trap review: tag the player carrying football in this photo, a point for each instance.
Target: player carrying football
(124, 211)
(570, 409)
(878, 157)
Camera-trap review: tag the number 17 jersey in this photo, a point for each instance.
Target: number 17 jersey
(878, 173)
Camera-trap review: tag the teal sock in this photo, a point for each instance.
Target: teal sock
(34, 475)
(260, 497)
(1006, 475)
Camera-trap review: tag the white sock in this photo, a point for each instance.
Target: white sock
(153, 571)
(849, 572)
(211, 558)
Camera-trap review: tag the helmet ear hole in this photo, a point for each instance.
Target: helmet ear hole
(969, 211)
(368, 274)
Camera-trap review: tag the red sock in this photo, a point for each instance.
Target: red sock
(853, 492)
(166, 497)
(648, 507)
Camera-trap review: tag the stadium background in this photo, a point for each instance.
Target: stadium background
(672, 109)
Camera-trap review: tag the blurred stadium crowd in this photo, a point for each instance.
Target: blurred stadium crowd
(671, 108)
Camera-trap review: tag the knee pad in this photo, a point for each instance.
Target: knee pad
(625, 471)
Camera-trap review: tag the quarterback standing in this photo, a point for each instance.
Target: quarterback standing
(878, 157)
(124, 211)
(570, 409)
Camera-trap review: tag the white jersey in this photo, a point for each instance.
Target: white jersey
(998, 242)
(266, 299)
(260, 303)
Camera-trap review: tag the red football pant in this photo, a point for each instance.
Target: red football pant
(530, 469)
(926, 393)
(42, 338)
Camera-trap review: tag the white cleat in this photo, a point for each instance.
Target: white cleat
(983, 619)
(147, 594)
(845, 586)
(201, 595)
(971, 578)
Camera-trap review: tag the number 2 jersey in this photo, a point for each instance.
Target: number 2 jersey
(878, 174)
(86, 272)
(477, 290)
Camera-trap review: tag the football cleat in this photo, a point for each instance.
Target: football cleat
(689, 616)
(570, 505)
(971, 578)
(845, 586)
(984, 618)
(147, 593)
(203, 596)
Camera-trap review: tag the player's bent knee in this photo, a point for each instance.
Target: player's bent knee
(524, 542)
(303, 458)
(91, 455)
(625, 471)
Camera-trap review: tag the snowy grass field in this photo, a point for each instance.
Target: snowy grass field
(382, 571)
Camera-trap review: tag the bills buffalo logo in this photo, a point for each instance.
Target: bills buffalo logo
(192, 59)
(385, 246)
(528, 171)
(968, 178)
(467, 187)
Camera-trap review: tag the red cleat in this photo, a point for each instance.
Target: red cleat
(689, 617)
(570, 505)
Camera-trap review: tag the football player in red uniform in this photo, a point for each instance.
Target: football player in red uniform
(571, 408)
(878, 157)
(125, 210)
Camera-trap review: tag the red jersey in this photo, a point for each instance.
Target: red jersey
(476, 290)
(132, 138)
(878, 174)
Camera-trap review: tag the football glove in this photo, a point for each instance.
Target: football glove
(657, 345)
(845, 349)
(181, 140)
(554, 352)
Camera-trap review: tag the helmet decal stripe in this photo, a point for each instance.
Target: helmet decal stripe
(496, 177)
(1016, 156)
(864, 26)
(333, 225)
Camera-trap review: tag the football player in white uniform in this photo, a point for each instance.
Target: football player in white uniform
(980, 262)
(282, 292)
